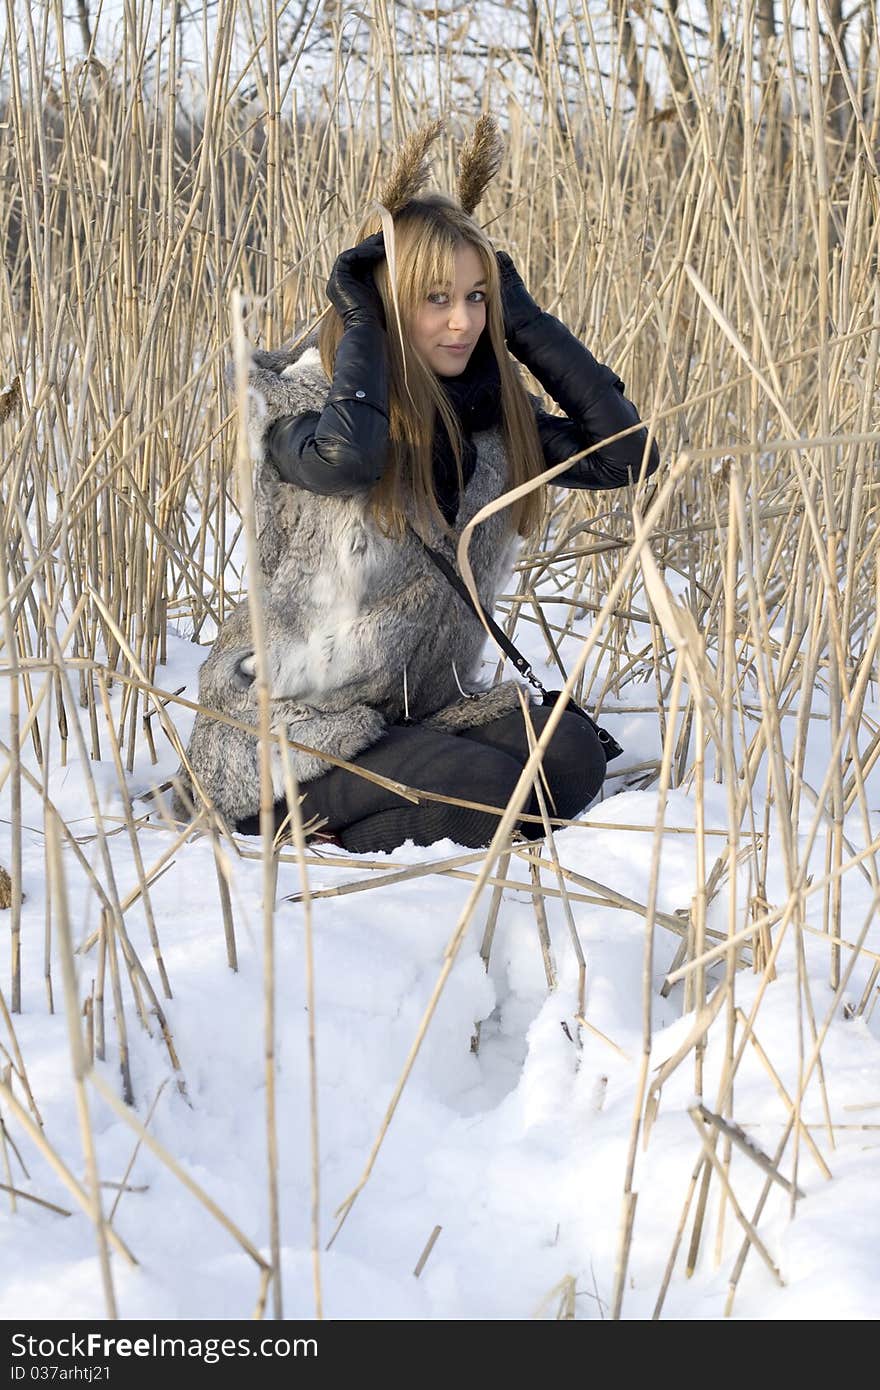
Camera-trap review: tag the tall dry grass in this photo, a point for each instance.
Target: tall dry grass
(702, 209)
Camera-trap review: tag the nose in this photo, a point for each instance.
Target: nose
(458, 318)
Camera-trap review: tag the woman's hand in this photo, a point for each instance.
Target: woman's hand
(351, 288)
(343, 449)
(517, 305)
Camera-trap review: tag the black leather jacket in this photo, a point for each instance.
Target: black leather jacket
(343, 449)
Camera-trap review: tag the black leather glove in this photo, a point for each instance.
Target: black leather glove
(351, 288)
(517, 305)
(344, 449)
(591, 394)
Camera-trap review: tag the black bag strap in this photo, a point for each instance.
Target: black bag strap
(609, 743)
(497, 632)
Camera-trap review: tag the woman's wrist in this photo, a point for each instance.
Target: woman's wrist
(360, 371)
(344, 448)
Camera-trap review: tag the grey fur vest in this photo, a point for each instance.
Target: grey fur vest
(361, 629)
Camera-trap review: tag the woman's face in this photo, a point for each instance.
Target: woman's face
(450, 319)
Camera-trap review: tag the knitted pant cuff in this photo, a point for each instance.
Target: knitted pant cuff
(422, 824)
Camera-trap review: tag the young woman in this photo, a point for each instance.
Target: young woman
(408, 417)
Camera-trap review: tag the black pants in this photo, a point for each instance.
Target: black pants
(480, 765)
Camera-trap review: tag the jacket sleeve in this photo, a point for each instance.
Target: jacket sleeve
(595, 406)
(343, 448)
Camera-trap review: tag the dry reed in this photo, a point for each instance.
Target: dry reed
(702, 207)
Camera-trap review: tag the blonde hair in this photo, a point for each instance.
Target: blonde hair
(428, 230)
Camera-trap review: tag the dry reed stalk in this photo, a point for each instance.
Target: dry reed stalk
(698, 910)
(498, 886)
(535, 869)
(518, 796)
(7, 1166)
(785, 1097)
(98, 992)
(629, 1195)
(263, 1292)
(702, 1023)
(823, 218)
(604, 893)
(541, 923)
(89, 1016)
(14, 902)
(126, 223)
(429, 1246)
(721, 1172)
(677, 1238)
(135, 843)
(494, 881)
(64, 686)
(779, 915)
(413, 871)
(78, 1059)
(494, 908)
(292, 793)
(7, 1137)
(125, 1113)
(15, 1192)
(17, 1062)
(794, 1118)
(745, 1145)
(138, 682)
(109, 935)
(221, 864)
(603, 1037)
(123, 1187)
(267, 797)
(139, 981)
(28, 666)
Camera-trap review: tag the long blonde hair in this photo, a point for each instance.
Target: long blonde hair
(428, 231)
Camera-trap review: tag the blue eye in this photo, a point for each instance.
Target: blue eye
(441, 297)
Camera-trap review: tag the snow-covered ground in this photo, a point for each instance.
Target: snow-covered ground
(517, 1151)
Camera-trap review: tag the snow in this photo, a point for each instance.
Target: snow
(517, 1151)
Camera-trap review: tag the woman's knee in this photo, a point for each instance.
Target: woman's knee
(574, 762)
(486, 779)
(421, 759)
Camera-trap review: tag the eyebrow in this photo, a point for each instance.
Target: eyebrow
(448, 285)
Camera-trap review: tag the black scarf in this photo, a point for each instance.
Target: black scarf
(475, 396)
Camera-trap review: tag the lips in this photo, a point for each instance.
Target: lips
(455, 347)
